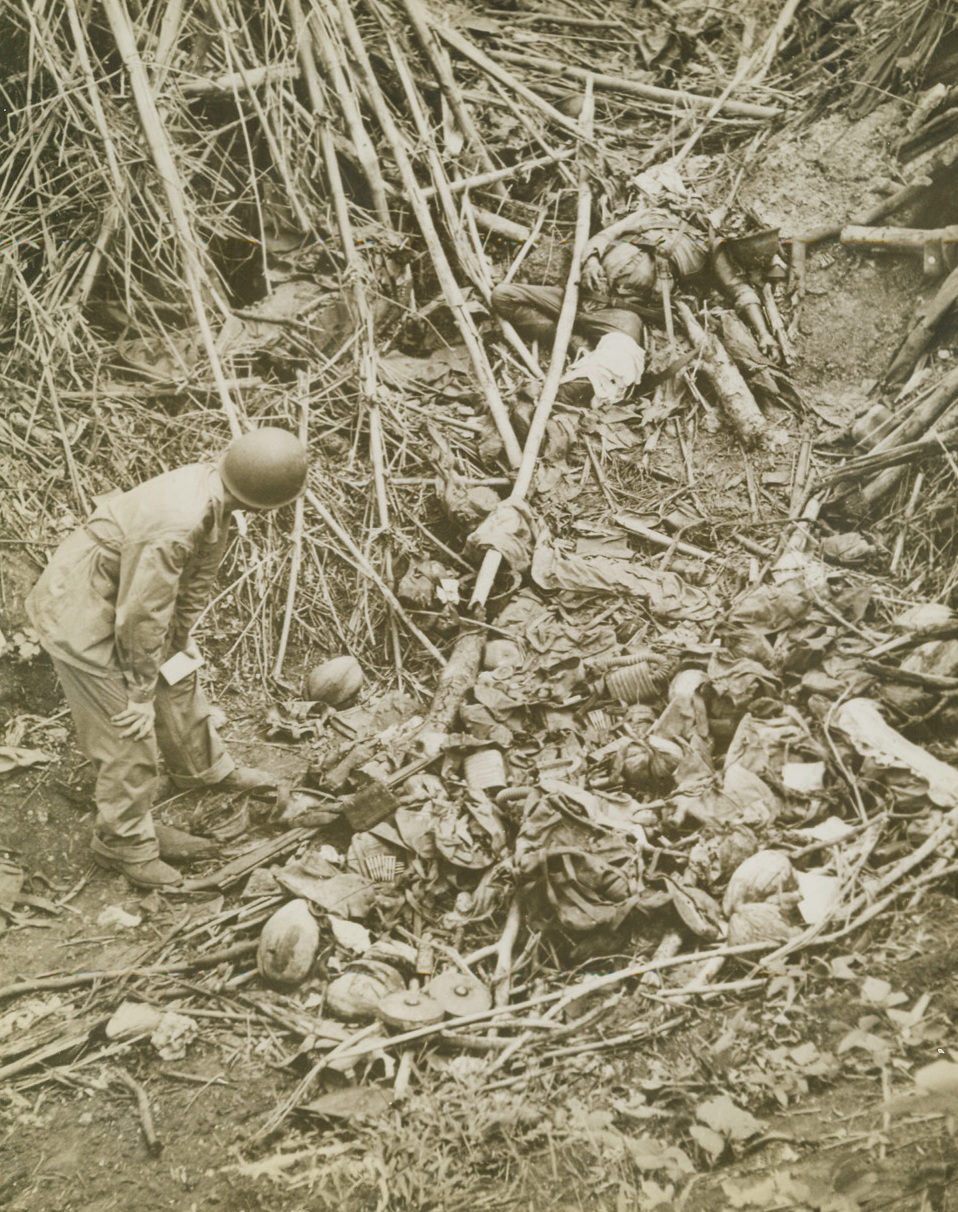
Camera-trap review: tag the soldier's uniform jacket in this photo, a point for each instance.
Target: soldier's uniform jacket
(126, 588)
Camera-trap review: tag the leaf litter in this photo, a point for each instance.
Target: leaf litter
(684, 743)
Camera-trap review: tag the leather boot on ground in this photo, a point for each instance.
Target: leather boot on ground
(178, 846)
(247, 778)
(154, 873)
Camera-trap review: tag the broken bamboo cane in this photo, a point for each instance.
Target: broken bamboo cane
(493, 558)
(491, 68)
(438, 56)
(921, 419)
(481, 180)
(326, 46)
(450, 287)
(921, 335)
(297, 538)
(725, 377)
(368, 571)
(647, 92)
(159, 146)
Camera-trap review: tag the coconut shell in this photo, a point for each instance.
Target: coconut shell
(761, 875)
(758, 923)
(356, 995)
(288, 945)
(334, 682)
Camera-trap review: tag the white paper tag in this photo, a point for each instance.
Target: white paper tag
(178, 667)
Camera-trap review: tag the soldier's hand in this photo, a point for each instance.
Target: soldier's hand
(136, 722)
(593, 278)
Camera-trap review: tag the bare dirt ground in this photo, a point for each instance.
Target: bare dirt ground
(812, 1060)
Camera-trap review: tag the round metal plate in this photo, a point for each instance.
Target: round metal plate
(408, 1009)
(459, 994)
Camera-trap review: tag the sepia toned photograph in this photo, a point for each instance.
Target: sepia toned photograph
(479, 605)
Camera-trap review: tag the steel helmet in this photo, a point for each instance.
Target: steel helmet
(265, 468)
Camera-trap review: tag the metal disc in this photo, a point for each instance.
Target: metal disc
(408, 1009)
(459, 994)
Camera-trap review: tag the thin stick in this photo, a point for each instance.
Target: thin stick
(450, 287)
(159, 146)
(298, 522)
(564, 325)
(649, 92)
(501, 174)
(153, 1142)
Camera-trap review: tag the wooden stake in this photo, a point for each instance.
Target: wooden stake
(523, 481)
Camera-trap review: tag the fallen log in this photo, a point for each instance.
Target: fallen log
(921, 335)
(725, 377)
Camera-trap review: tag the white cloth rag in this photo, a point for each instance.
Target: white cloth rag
(613, 367)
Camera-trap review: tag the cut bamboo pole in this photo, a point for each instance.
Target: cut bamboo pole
(725, 377)
(439, 58)
(159, 146)
(265, 125)
(523, 481)
(326, 45)
(648, 92)
(298, 523)
(450, 287)
(922, 334)
(480, 180)
(471, 265)
(468, 51)
(371, 574)
(355, 272)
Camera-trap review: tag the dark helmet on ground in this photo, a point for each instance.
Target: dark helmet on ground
(265, 468)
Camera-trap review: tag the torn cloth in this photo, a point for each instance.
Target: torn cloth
(508, 530)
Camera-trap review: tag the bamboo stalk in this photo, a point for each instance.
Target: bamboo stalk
(275, 149)
(514, 170)
(493, 558)
(371, 574)
(439, 58)
(325, 44)
(467, 259)
(249, 78)
(450, 287)
(491, 68)
(159, 146)
(297, 537)
(648, 92)
(364, 311)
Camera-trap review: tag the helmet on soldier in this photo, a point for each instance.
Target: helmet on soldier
(265, 468)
